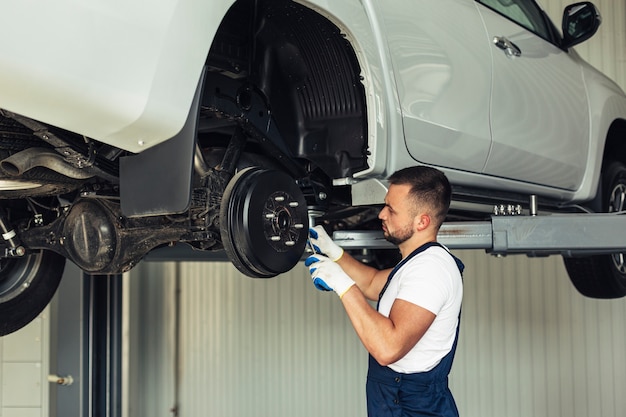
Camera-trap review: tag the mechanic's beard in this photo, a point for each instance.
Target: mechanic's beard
(399, 237)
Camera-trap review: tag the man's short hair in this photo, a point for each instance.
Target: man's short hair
(428, 185)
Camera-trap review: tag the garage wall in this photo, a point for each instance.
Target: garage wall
(244, 347)
(530, 344)
(24, 366)
(204, 340)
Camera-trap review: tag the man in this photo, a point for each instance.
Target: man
(411, 335)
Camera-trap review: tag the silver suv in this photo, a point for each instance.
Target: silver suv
(226, 125)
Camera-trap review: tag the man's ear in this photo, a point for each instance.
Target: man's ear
(422, 221)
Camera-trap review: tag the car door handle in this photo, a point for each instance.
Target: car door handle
(510, 49)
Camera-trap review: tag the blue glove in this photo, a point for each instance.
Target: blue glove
(322, 243)
(327, 275)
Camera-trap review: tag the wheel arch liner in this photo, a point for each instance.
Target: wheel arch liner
(312, 78)
(310, 74)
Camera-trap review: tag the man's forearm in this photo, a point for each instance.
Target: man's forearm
(375, 331)
(369, 280)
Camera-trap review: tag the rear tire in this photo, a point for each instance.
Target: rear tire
(603, 276)
(27, 285)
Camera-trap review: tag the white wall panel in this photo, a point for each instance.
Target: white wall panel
(24, 367)
(249, 347)
(149, 388)
(530, 344)
(267, 346)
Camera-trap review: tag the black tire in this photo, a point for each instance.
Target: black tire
(603, 276)
(27, 285)
(263, 222)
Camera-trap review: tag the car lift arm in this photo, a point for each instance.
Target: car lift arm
(564, 234)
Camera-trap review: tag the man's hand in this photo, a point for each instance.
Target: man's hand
(327, 275)
(322, 243)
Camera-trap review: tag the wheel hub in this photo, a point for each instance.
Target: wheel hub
(281, 229)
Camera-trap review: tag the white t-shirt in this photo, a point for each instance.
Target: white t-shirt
(431, 280)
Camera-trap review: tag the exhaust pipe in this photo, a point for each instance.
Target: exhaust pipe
(23, 161)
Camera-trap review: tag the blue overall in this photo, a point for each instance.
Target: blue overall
(394, 394)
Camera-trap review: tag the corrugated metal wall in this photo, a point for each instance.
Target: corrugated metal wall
(246, 347)
(205, 341)
(530, 344)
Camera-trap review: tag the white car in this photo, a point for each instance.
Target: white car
(225, 125)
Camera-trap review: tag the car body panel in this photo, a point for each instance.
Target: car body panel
(442, 66)
(539, 114)
(122, 72)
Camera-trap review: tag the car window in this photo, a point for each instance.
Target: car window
(524, 12)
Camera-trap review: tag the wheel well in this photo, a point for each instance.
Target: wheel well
(616, 142)
(309, 75)
(614, 149)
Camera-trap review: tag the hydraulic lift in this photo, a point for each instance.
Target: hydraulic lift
(538, 235)
(511, 229)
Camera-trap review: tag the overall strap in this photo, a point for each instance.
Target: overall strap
(421, 249)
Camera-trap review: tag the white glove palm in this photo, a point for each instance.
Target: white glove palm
(327, 275)
(322, 243)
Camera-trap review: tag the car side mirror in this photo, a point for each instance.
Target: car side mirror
(580, 22)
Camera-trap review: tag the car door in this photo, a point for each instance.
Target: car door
(442, 68)
(539, 114)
